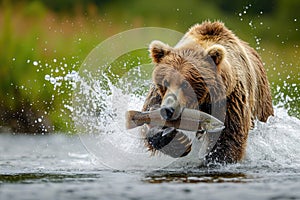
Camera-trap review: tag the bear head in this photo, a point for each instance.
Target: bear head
(188, 77)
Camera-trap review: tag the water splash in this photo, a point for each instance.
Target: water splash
(275, 143)
(101, 122)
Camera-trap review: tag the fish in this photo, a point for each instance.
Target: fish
(189, 120)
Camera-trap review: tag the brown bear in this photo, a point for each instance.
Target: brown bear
(212, 70)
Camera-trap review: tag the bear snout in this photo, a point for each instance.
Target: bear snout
(170, 107)
(167, 112)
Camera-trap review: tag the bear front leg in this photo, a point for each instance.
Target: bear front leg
(231, 145)
(168, 141)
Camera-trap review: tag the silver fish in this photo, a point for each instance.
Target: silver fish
(190, 120)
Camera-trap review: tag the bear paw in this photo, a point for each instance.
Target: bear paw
(168, 141)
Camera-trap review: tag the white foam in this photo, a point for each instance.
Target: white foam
(275, 143)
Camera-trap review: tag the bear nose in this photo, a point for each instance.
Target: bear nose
(167, 112)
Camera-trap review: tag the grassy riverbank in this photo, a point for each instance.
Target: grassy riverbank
(38, 40)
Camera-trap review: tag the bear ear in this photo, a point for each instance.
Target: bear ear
(158, 50)
(217, 53)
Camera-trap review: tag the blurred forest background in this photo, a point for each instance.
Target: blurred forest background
(46, 38)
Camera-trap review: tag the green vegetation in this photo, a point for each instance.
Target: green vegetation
(46, 38)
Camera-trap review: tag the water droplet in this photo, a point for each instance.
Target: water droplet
(35, 63)
(52, 80)
(47, 77)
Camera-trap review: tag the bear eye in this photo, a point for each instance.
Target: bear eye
(184, 85)
(166, 83)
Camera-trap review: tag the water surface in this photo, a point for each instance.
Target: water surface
(59, 167)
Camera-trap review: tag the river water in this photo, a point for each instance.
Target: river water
(58, 166)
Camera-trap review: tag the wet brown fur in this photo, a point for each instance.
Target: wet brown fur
(238, 71)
